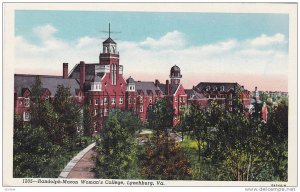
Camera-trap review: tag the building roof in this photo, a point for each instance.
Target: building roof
(109, 40)
(175, 68)
(49, 82)
(192, 94)
(90, 71)
(97, 78)
(148, 88)
(202, 86)
(130, 80)
(173, 88)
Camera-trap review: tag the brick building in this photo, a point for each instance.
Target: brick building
(225, 94)
(103, 87)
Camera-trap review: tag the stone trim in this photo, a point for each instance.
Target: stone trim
(65, 172)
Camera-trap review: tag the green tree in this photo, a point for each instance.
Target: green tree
(69, 113)
(277, 128)
(197, 122)
(88, 121)
(49, 119)
(241, 140)
(160, 118)
(33, 153)
(117, 146)
(35, 106)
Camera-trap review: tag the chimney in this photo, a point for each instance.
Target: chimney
(255, 89)
(157, 82)
(82, 73)
(65, 70)
(167, 87)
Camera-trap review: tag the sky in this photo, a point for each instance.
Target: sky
(251, 49)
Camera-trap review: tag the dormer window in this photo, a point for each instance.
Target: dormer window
(96, 86)
(207, 88)
(26, 116)
(27, 102)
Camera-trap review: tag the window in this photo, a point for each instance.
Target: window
(222, 88)
(26, 102)
(180, 99)
(96, 101)
(150, 107)
(230, 108)
(175, 99)
(141, 99)
(207, 88)
(230, 96)
(114, 74)
(90, 101)
(105, 112)
(150, 99)
(134, 100)
(105, 100)
(101, 101)
(230, 102)
(26, 116)
(113, 101)
(96, 112)
(130, 100)
(121, 100)
(20, 102)
(141, 108)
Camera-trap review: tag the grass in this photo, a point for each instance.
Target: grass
(189, 143)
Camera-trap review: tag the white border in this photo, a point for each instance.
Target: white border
(8, 70)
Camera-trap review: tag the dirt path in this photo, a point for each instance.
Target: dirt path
(83, 168)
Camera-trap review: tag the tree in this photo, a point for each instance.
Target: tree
(161, 116)
(277, 129)
(69, 114)
(49, 119)
(33, 153)
(165, 160)
(88, 121)
(117, 146)
(35, 107)
(198, 123)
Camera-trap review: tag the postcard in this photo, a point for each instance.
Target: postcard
(150, 94)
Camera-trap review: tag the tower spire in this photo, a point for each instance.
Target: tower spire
(109, 30)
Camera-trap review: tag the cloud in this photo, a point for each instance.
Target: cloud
(152, 58)
(265, 40)
(45, 31)
(172, 40)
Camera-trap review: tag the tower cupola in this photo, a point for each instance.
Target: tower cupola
(109, 46)
(130, 84)
(109, 54)
(175, 75)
